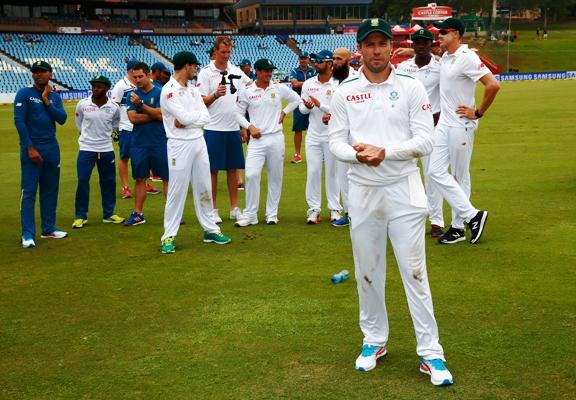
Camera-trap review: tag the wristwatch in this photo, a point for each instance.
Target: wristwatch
(141, 103)
(478, 114)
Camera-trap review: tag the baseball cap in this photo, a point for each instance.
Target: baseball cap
(373, 25)
(423, 33)
(303, 54)
(244, 62)
(101, 79)
(451, 23)
(131, 64)
(184, 58)
(43, 65)
(160, 67)
(321, 56)
(264, 63)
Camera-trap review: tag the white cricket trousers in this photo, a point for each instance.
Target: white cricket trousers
(397, 211)
(267, 149)
(453, 148)
(317, 153)
(435, 200)
(343, 182)
(188, 164)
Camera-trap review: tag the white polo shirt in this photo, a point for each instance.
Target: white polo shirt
(96, 124)
(120, 95)
(265, 105)
(317, 130)
(222, 116)
(185, 104)
(429, 75)
(395, 114)
(459, 73)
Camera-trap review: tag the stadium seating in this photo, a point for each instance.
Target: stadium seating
(77, 58)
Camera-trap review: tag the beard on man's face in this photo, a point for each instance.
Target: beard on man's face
(340, 72)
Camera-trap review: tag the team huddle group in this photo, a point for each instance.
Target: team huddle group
(367, 128)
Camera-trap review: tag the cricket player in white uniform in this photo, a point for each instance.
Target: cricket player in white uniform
(263, 101)
(340, 72)
(96, 117)
(184, 114)
(120, 95)
(460, 70)
(316, 96)
(426, 68)
(222, 133)
(387, 117)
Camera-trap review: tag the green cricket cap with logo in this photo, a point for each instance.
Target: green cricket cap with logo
(264, 63)
(101, 79)
(184, 58)
(423, 33)
(451, 23)
(41, 65)
(373, 25)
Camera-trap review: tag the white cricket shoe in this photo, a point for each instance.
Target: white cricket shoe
(57, 234)
(366, 361)
(439, 374)
(313, 216)
(236, 214)
(216, 216)
(28, 243)
(246, 221)
(335, 215)
(272, 220)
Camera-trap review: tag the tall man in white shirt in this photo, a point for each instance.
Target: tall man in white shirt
(424, 67)
(121, 96)
(460, 70)
(263, 101)
(222, 133)
(316, 96)
(96, 118)
(381, 123)
(184, 114)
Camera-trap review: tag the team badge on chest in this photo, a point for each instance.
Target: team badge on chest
(273, 95)
(394, 95)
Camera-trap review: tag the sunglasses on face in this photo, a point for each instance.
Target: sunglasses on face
(446, 31)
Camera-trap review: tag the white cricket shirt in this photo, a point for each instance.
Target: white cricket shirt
(459, 73)
(429, 75)
(185, 104)
(222, 110)
(317, 130)
(265, 105)
(96, 124)
(120, 94)
(395, 114)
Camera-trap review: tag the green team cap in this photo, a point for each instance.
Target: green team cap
(373, 25)
(41, 65)
(184, 58)
(101, 79)
(423, 33)
(451, 23)
(264, 63)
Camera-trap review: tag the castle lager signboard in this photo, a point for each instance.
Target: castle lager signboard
(431, 13)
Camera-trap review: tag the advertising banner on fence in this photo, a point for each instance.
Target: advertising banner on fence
(536, 76)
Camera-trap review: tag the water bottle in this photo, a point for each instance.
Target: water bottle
(340, 276)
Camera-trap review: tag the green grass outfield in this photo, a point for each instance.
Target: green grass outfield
(103, 315)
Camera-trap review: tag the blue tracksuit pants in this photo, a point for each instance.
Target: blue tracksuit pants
(107, 173)
(45, 176)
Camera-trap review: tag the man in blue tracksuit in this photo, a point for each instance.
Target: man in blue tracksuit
(36, 109)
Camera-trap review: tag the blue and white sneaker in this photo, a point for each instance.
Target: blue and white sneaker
(28, 243)
(439, 374)
(55, 234)
(342, 221)
(135, 218)
(366, 361)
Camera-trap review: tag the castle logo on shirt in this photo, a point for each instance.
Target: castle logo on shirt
(359, 98)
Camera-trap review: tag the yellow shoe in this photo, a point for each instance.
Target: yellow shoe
(113, 219)
(79, 223)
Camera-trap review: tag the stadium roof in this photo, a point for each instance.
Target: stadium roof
(245, 3)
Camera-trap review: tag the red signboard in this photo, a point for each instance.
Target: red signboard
(431, 13)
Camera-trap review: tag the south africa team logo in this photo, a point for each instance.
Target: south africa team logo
(273, 95)
(328, 92)
(394, 96)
